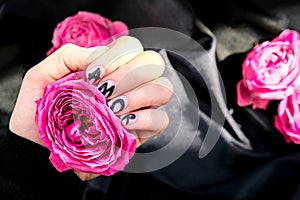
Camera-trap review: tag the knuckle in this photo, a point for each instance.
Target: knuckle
(165, 122)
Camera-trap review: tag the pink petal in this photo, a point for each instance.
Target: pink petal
(50, 51)
(243, 95)
(260, 103)
(118, 29)
(58, 163)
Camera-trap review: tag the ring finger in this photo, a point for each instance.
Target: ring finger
(145, 124)
(146, 66)
(154, 93)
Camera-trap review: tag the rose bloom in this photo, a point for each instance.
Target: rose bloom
(270, 71)
(86, 29)
(288, 119)
(80, 130)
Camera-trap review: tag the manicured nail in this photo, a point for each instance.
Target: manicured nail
(94, 74)
(98, 49)
(128, 119)
(117, 104)
(91, 49)
(107, 88)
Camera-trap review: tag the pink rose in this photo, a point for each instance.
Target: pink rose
(80, 130)
(270, 71)
(288, 119)
(86, 29)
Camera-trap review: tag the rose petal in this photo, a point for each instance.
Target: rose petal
(80, 130)
(86, 29)
(243, 95)
(118, 29)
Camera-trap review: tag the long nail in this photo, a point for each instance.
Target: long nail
(107, 88)
(94, 74)
(91, 49)
(128, 119)
(118, 104)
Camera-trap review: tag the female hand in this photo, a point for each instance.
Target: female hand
(129, 77)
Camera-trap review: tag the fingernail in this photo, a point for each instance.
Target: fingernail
(91, 49)
(128, 119)
(117, 104)
(107, 88)
(95, 74)
(97, 49)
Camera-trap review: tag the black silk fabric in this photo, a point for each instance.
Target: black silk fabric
(249, 158)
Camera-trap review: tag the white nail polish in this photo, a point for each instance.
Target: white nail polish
(97, 49)
(118, 104)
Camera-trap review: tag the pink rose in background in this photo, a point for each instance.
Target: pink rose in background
(80, 130)
(288, 119)
(86, 29)
(270, 71)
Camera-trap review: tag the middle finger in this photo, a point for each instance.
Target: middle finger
(146, 66)
(151, 94)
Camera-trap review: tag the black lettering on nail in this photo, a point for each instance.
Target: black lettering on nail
(117, 105)
(128, 119)
(107, 89)
(96, 75)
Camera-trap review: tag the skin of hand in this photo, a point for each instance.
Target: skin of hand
(149, 121)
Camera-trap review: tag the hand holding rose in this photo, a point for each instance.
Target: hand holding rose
(127, 76)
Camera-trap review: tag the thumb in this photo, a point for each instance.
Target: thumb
(67, 59)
